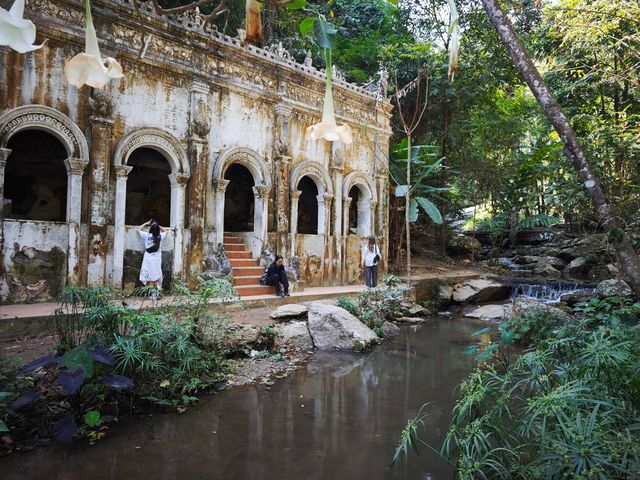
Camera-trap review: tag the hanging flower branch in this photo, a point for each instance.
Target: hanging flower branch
(16, 32)
(327, 129)
(88, 68)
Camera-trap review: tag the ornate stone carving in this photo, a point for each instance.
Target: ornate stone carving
(261, 191)
(313, 170)
(308, 61)
(200, 123)
(122, 171)
(127, 36)
(176, 155)
(4, 155)
(245, 157)
(361, 179)
(101, 105)
(64, 13)
(75, 166)
(178, 179)
(220, 185)
(44, 118)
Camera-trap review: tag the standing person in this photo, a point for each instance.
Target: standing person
(277, 276)
(370, 259)
(151, 270)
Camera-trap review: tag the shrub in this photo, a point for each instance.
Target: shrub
(377, 305)
(349, 304)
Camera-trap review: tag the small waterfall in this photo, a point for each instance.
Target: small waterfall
(509, 264)
(547, 291)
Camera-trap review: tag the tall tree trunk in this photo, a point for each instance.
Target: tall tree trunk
(406, 212)
(627, 257)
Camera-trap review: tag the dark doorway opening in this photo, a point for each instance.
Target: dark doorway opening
(148, 188)
(35, 180)
(308, 206)
(239, 201)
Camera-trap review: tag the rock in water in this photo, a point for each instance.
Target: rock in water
(487, 312)
(289, 311)
(614, 288)
(333, 328)
(410, 320)
(389, 329)
(444, 295)
(522, 306)
(480, 291)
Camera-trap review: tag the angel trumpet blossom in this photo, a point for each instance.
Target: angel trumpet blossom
(16, 32)
(89, 68)
(327, 129)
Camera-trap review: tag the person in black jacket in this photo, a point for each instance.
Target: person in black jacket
(277, 277)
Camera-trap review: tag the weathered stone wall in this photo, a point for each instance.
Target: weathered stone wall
(204, 101)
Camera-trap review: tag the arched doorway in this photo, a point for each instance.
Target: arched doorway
(148, 188)
(35, 181)
(308, 207)
(355, 195)
(239, 202)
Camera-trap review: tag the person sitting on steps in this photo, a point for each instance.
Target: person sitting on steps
(277, 276)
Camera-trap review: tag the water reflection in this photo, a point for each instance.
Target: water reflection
(339, 417)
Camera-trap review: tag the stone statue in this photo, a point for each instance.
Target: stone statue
(217, 266)
(242, 35)
(200, 122)
(383, 83)
(308, 61)
(267, 256)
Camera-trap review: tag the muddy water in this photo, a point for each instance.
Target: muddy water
(339, 417)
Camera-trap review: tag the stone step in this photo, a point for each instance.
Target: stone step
(231, 239)
(248, 280)
(234, 247)
(247, 271)
(243, 262)
(239, 254)
(248, 290)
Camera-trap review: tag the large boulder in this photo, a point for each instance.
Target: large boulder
(546, 270)
(579, 296)
(522, 306)
(480, 290)
(527, 259)
(575, 248)
(555, 262)
(614, 288)
(445, 292)
(296, 336)
(487, 312)
(284, 312)
(464, 245)
(579, 267)
(333, 328)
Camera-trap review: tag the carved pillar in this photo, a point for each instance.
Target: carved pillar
(178, 185)
(327, 271)
(295, 197)
(220, 186)
(345, 230)
(99, 205)
(326, 224)
(121, 171)
(75, 167)
(199, 127)
(364, 217)
(260, 213)
(337, 251)
(4, 156)
(372, 216)
(282, 156)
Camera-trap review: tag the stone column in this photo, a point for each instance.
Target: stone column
(220, 186)
(199, 128)
(327, 270)
(282, 156)
(345, 230)
(365, 215)
(372, 213)
(99, 205)
(4, 155)
(75, 167)
(295, 197)
(260, 213)
(337, 251)
(121, 171)
(321, 229)
(326, 228)
(178, 185)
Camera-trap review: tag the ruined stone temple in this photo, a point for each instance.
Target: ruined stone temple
(204, 133)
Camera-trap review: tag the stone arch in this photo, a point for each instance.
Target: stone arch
(158, 140)
(364, 208)
(359, 179)
(40, 117)
(316, 172)
(245, 157)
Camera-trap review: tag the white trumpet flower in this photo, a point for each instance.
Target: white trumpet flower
(88, 68)
(16, 32)
(327, 129)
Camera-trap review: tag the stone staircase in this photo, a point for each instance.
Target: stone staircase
(246, 269)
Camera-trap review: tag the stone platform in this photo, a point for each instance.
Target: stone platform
(29, 320)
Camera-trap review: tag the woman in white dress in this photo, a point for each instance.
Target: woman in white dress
(151, 270)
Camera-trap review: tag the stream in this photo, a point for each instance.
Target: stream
(338, 417)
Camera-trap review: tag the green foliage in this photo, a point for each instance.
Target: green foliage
(377, 305)
(267, 337)
(611, 311)
(533, 326)
(349, 304)
(542, 220)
